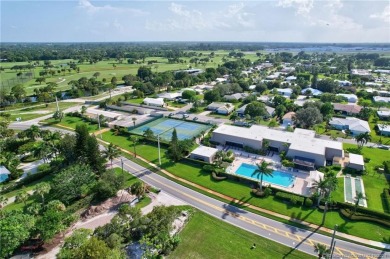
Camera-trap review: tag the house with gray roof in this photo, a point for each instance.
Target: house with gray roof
(354, 125)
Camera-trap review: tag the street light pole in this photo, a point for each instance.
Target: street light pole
(333, 243)
(159, 153)
(99, 126)
(122, 165)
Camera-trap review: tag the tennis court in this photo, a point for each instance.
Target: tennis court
(165, 126)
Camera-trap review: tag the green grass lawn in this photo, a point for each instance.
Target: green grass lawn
(241, 191)
(71, 122)
(207, 237)
(129, 178)
(374, 183)
(176, 104)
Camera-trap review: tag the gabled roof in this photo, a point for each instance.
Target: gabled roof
(289, 115)
(348, 96)
(353, 124)
(158, 101)
(313, 91)
(349, 108)
(384, 129)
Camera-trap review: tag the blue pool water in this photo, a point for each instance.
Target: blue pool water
(3, 177)
(278, 178)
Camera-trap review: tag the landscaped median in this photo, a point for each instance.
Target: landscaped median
(192, 174)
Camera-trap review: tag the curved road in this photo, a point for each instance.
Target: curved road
(285, 234)
(291, 236)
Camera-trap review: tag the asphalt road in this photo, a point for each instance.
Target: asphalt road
(293, 237)
(285, 234)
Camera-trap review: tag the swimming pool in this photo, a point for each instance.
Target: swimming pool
(278, 178)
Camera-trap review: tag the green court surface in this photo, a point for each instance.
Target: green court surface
(165, 126)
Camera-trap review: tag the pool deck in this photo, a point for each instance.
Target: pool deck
(301, 178)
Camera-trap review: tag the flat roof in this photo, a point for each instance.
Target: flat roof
(300, 139)
(204, 151)
(356, 159)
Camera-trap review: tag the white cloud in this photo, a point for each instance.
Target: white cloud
(303, 7)
(93, 9)
(232, 17)
(385, 15)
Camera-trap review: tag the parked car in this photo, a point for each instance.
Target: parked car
(195, 118)
(384, 147)
(185, 115)
(171, 114)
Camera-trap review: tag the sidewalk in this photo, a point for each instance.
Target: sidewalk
(272, 213)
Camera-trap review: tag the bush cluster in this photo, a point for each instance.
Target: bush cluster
(294, 199)
(386, 165)
(386, 199)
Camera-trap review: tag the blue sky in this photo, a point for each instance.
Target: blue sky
(279, 20)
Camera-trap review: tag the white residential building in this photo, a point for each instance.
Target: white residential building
(284, 91)
(352, 98)
(169, 96)
(157, 102)
(381, 99)
(354, 125)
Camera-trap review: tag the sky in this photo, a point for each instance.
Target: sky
(330, 21)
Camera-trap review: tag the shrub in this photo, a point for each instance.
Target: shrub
(208, 168)
(294, 199)
(267, 191)
(287, 163)
(253, 150)
(350, 214)
(336, 167)
(386, 165)
(43, 167)
(308, 203)
(386, 199)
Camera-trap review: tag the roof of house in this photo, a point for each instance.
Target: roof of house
(204, 151)
(252, 87)
(381, 99)
(169, 95)
(354, 124)
(216, 105)
(356, 159)
(284, 90)
(269, 109)
(300, 139)
(235, 96)
(386, 128)
(291, 78)
(226, 107)
(348, 96)
(158, 101)
(313, 91)
(383, 113)
(349, 108)
(289, 115)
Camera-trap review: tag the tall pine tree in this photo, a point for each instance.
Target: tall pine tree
(174, 149)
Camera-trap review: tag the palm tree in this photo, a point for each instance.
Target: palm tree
(83, 110)
(331, 185)
(111, 152)
(3, 201)
(133, 119)
(42, 189)
(218, 157)
(138, 189)
(33, 132)
(262, 169)
(363, 138)
(322, 250)
(320, 187)
(359, 196)
(22, 197)
(381, 127)
(135, 140)
(42, 151)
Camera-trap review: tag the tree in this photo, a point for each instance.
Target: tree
(67, 148)
(321, 250)
(15, 228)
(363, 138)
(83, 110)
(308, 117)
(280, 110)
(3, 201)
(359, 196)
(58, 115)
(331, 185)
(72, 243)
(133, 119)
(72, 183)
(109, 184)
(255, 109)
(96, 74)
(94, 157)
(144, 72)
(188, 94)
(261, 170)
(111, 152)
(22, 197)
(41, 189)
(174, 148)
(51, 222)
(18, 92)
(135, 140)
(382, 126)
(327, 86)
(149, 135)
(138, 189)
(327, 110)
(212, 96)
(42, 150)
(320, 186)
(33, 132)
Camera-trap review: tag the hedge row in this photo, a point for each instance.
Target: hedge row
(218, 178)
(294, 199)
(364, 217)
(386, 199)
(386, 165)
(367, 212)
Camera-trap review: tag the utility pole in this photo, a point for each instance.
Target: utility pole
(159, 153)
(98, 117)
(333, 243)
(122, 165)
(58, 108)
